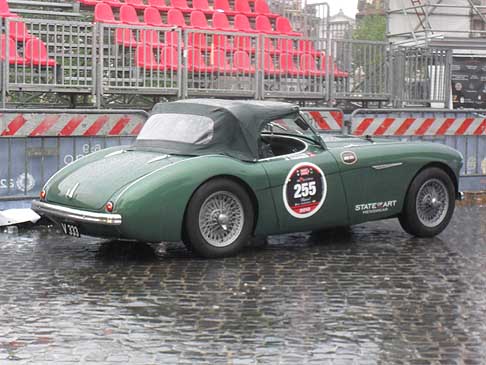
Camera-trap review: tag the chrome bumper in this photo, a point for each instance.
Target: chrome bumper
(76, 215)
(460, 196)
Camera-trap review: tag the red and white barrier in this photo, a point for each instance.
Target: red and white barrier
(326, 120)
(418, 126)
(70, 124)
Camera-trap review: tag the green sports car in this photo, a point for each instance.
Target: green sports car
(214, 173)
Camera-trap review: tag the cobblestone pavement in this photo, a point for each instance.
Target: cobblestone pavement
(367, 295)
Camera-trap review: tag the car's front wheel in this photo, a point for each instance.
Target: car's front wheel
(219, 219)
(429, 204)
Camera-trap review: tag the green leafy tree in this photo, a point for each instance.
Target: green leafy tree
(371, 28)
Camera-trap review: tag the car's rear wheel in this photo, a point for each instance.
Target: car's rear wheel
(429, 204)
(219, 219)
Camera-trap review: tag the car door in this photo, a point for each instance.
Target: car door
(307, 190)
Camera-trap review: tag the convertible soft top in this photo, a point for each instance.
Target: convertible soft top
(236, 125)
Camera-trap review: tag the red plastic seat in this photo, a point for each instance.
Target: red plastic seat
(145, 58)
(243, 24)
(198, 20)
(36, 53)
(268, 65)
(176, 18)
(137, 4)
(150, 37)
(242, 63)
(5, 10)
(268, 45)
(113, 3)
(243, 7)
(220, 62)
(104, 14)
(223, 5)
(153, 18)
(124, 37)
(261, 7)
(128, 15)
(195, 61)
(244, 43)
(202, 5)
(181, 5)
(158, 4)
(221, 22)
(309, 67)
(288, 66)
(263, 25)
(18, 31)
(307, 46)
(332, 68)
(284, 27)
(172, 39)
(286, 45)
(221, 41)
(13, 57)
(169, 57)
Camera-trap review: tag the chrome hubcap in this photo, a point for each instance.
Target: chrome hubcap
(432, 203)
(221, 219)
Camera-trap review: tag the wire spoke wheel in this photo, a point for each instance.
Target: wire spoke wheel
(432, 203)
(221, 219)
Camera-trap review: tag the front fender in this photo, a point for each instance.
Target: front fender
(153, 207)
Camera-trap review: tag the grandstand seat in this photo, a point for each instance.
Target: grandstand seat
(220, 41)
(35, 52)
(243, 7)
(104, 14)
(153, 18)
(268, 45)
(286, 45)
(137, 4)
(90, 2)
(221, 22)
(242, 63)
(18, 30)
(333, 67)
(244, 43)
(308, 66)
(307, 46)
(261, 7)
(198, 20)
(263, 25)
(124, 37)
(150, 37)
(128, 15)
(223, 5)
(202, 5)
(269, 65)
(243, 24)
(288, 66)
(13, 57)
(220, 63)
(169, 57)
(181, 5)
(195, 61)
(159, 4)
(176, 18)
(172, 39)
(144, 57)
(284, 27)
(5, 10)
(113, 3)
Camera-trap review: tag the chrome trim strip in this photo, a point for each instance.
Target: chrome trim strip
(76, 214)
(159, 158)
(460, 196)
(387, 166)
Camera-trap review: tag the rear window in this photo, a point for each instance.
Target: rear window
(180, 128)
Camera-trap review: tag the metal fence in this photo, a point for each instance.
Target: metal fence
(108, 59)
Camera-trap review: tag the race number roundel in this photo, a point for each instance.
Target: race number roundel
(305, 190)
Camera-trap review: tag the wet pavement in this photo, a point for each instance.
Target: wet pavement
(366, 295)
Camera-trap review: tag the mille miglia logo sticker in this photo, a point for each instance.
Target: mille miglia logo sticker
(349, 157)
(377, 207)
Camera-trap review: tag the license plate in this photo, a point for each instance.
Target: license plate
(70, 230)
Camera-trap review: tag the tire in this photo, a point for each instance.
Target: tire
(219, 219)
(429, 203)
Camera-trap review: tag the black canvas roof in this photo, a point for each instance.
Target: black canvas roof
(237, 124)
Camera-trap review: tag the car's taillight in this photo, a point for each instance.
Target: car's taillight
(43, 195)
(109, 207)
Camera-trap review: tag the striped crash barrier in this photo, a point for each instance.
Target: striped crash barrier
(325, 119)
(34, 144)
